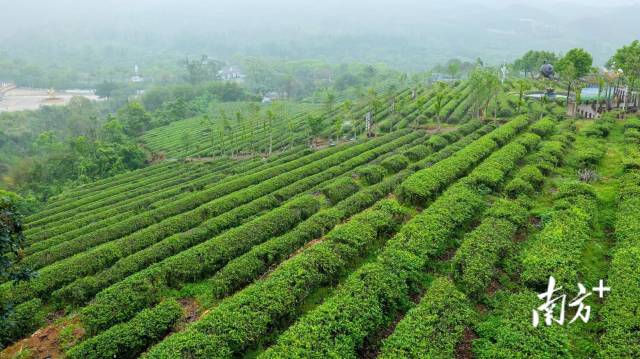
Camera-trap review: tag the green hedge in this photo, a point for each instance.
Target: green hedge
(370, 174)
(247, 316)
(556, 251)
(434, 328)
(23, 320)
(246, 268)
(128, 340)
(179, 215)
(85, 287)
(372, 295)
(544, 127)
(88, 222)
(599, 128)
(620, 340)
(340, 189)
(62, 272)
(141, 290)
(507, 332)
(422, 186)
(475, 261)
(396, 163)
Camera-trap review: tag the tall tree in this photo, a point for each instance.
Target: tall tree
(523, 85)
(438, 98)
(485, 85)
(627, 58)
(531, 61)
(575, 65)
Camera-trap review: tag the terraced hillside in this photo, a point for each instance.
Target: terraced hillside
(423, 241)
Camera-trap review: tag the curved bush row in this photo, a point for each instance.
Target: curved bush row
(186, 258)
(457, 101)
(395, 163)
(140, 191)
(372, 295)
(421, 187)
(432, 329)
(600, 127)
(144, 288)
(370, 174)
(164, 197)
(99, 219)
(61, 272)
(85, 262)
(588, 153)
(86, 287)
(112, 196)
(544, 127)
(244, 269)
(51, 214)
(98, 185)
(620, 340)
(490, 173)
(556, 250)
(22, 320)
(475, 261)
(507, 332)
(449, 150)
(473, 266)
(340, 189)
(128, 340)
(244, 318)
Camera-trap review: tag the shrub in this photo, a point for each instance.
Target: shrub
(370, 174)
(340, 189)
(507, 331)
(128, 340)
(433, 328)
(22, 320)
(244, 318)
(415, 153)
(544, 127)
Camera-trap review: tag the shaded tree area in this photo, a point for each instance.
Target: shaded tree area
(45, 150)
(529, 64)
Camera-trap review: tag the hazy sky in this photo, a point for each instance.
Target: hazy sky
(335, 30)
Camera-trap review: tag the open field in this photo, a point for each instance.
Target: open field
(19, 99)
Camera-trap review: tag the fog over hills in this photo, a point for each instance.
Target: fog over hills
(408, 34)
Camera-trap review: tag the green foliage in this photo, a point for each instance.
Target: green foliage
(128, 340)
(415, 153)
(556, 251)
(507, 331)
(588, 153)
(619, 339)
(544, 127)
(244, 318)
(627, 58)
(370, 174)
(19, 321)
(397, 163)
(340, 189)
(575, 64)
(434, 328)
(531, 61)
(422, 186)
(482, 248)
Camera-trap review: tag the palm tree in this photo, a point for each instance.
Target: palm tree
(440, 94)
(523, 85)
(270, 118)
